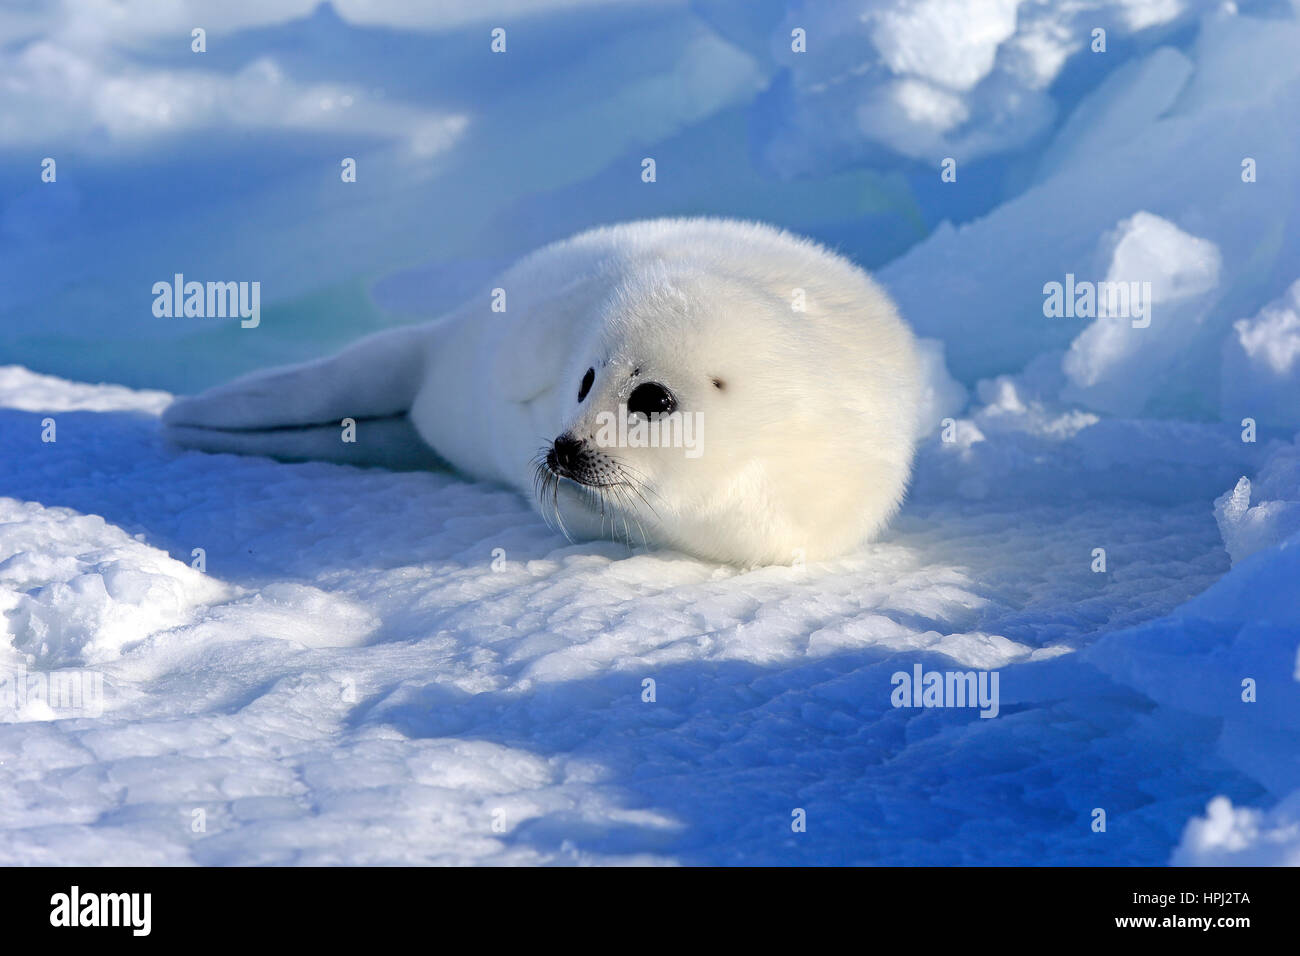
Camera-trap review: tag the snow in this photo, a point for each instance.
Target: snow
(1256, 515)
(937, 78)
(1121, 358)
(1229, 655)
(1171, 189)
(220, 660)
(342, 673)
(77, 590)
(1261, 363)
(1242, 836)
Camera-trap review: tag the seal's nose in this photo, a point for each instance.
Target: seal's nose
(565, 450)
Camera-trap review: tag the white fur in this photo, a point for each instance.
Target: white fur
(806, 448)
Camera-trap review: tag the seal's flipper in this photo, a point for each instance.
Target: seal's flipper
(374, 378)
(384, 442)
(296, 412)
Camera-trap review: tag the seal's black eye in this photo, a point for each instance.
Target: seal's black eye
(651, 398)
(586, 383)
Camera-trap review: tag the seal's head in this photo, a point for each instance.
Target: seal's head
(752, 414)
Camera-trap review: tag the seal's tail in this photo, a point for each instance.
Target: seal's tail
(297, 412)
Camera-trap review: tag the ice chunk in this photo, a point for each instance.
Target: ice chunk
(943, 397)
(1276, 514)
(1154, 295)
(979, 286)
(933, 78)
(1242, 836)
(1261, 365)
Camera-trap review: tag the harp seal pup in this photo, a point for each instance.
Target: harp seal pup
(801, 385)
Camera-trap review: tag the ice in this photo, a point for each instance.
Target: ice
(272, 208)
(936, 78)
(979, 286)
(77, 590)
(372, 667)
(1242, 836)
(358, 658)
(1256, 515)
(1261, 364)
(950, 44)
(1122, 107)
(1124, 355)
(942, 397)
(24, 389)
(1230, 655)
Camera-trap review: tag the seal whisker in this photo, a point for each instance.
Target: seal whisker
(637, 488)
(636, 491)
(555, 506)
(638, 485)
(621, 492)
(616, 491)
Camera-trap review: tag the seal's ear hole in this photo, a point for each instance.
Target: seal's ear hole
(719, 384)
(586, 383)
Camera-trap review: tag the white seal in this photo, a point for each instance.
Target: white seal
(720, 387)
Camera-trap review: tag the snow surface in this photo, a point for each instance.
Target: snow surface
(362, 676)
(314, 663)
